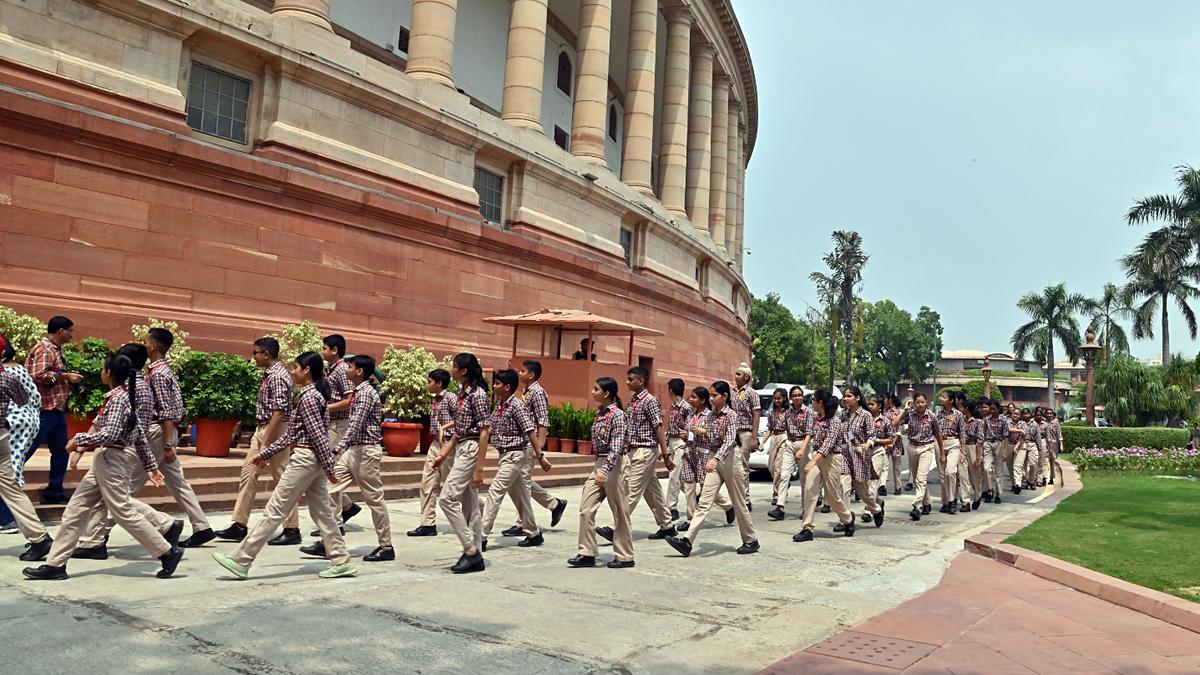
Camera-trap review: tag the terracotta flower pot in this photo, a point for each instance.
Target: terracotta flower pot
(213, 437)
(553, 445)
(76, 425)
(584, 447)
(567, 444)
(401, 439)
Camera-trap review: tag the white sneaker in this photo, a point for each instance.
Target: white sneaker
(10, 528)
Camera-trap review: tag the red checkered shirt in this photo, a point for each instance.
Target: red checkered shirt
(744, 402)
(309, 428)
(164, 391)
(1043, 430)
(677, 419)
(1032, 432)
(511, 424)
(145, 403)
(472, 413)
(445, 405)
(777, 421)
(274, 394)
(608, 437)
(722, 433)
(973, 431)
(1054, 432)
(340, 388)
(952, 425)
(882, 428)
(859, 428)
(366, 416)
(829, 435)
(995, 429)
(112, 430)
(11, 391)
(799, 422)
(45, 363)
(643, 418)
(922, 429)
(538, 403)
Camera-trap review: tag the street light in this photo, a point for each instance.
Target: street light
(1090, 351)
(987, 377)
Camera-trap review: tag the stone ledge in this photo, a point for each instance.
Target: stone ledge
(1161, 606)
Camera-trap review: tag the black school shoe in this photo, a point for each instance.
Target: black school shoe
(316, 550)
(745, 549)
(825, 508)
(775, 514)
(730, 516)
(198, 538)
(681, 544)
(865, 517)
(349, 513)
(683, 527)
(514, 531)
(235, 532)
(606, 532)
(663, 533)
(882, 491)
(803, 535)
(926, 509)
(975, 504)
(173, 533)
(289, 537)
(469, 563)
(170, 561)
(839, 527)
(850, 527)
(380, 554)
(557, 513)
(45, 573)
(915, 514)
(619, 564)
(582, 561)
(317, 532)
(36, 551)
(878, 517)
(91, 552)
(427, 531)
(535, 540)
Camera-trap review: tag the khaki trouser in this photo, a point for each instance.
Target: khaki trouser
(950, 477)
(360, 464)
(992, 461)
(431, 484)
(727, 475)
(974, 468)
(966, 489)
(897, 470)
(676, 447)
(101, 523)
(1020, 460)
(825, 478)
(459, 499)
(337, 429)
(782, 458)
(1043, 461)
(742, 460)
(919, 459)
(15, 498)
(511, 473)
(589, 502)
(641, 479)
(304, 476)
(1010, 455)
(879, 462)
(537, 493)
(692, 496)
(248, 483)
(107, 481)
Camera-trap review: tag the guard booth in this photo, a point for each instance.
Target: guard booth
(553, 336)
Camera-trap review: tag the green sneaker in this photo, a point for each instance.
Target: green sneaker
(343, 570)
(235, 568)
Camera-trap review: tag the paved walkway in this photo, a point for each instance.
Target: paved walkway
(988, 617)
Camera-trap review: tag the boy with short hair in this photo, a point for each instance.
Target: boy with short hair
(359, 456)
(513, 432)
(677, 431)
(538, 402)
(441, 421)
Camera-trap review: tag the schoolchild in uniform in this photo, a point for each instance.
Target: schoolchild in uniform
(953, 431)
(968, 459)
(924, 436)
(823, 471)
(776, 440)
(996, 430)
(309, 472)
(883, 436)
(720, 471)
(749, 411)
(538, 402)
(340, 390)
(1025, 445)
(858, 451)
(1043, 460)
(459, 498)
(606, 482)
(441, 421)
(797, 420)
(513, 433)
(1053, 445)
(699, 445)
(677, 429)
(893, 408)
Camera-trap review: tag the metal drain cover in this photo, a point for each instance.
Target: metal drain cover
(873, 649)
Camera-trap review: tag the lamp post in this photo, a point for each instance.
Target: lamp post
(1090, 351)
(987, 377)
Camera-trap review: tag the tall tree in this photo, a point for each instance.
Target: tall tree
(827, 293)
(782, 348)
(895, 346)
(1107, 311)
(1051, 318)
(846, 262)
(1158, 271)
(1182, 210)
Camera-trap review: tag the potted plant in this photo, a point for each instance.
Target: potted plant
(406, 400)
(554, 433)
(567, 442)
(219, 391)
(297, 338)
(86, 357)
(22, 330)
(583, 421)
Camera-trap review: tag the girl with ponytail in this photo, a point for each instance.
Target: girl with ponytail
(118, 441)
(310, 470)
(695, 457)
(607, 480)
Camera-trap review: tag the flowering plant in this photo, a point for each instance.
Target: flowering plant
(297, 338)
(22, 330)
(404, 391)
(179, 348)
(1173, 460)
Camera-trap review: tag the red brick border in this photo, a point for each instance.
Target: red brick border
(990, 544)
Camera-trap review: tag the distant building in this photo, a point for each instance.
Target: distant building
(1014, 380)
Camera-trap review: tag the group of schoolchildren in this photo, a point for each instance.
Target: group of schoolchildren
(319, 430)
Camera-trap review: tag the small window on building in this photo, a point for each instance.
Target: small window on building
(218, 103)
(565, 73)
(490, 187)
(612, 121)
(1021, 366)
(561, 138)
(627, 246)
(697, 271)
(402, 41)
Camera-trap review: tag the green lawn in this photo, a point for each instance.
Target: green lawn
(1143, 529)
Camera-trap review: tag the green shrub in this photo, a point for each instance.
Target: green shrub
(557, 422)
(86, 357)
(1076, 423)
(584, 417)
(1124, 437)
(405, 392)
(22, 330)
(218, 386)
(179, 348)
(297, 338)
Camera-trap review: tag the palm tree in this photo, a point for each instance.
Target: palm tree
(1051, 317)
(1159, 271)
(827, 292)
(1182, 210)
(1106, 311)
(846, 262)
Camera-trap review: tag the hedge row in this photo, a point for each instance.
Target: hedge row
(1124, 437)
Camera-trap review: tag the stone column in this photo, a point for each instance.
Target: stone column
(639, 96)
(431, 41)
(718, 198)
(733, 199)
(313, 11)
(524, 65)
(699, 166)
(741, 191)
(673, 152)
(591, 93)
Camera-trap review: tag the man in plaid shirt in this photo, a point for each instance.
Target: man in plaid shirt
(49, 371)
(513, 432)
(272, 413)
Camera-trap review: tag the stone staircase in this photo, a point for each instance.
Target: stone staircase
(215, 480)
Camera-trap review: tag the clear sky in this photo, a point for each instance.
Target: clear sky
(983, 150)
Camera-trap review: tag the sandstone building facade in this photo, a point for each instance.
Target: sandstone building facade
(394, 170)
